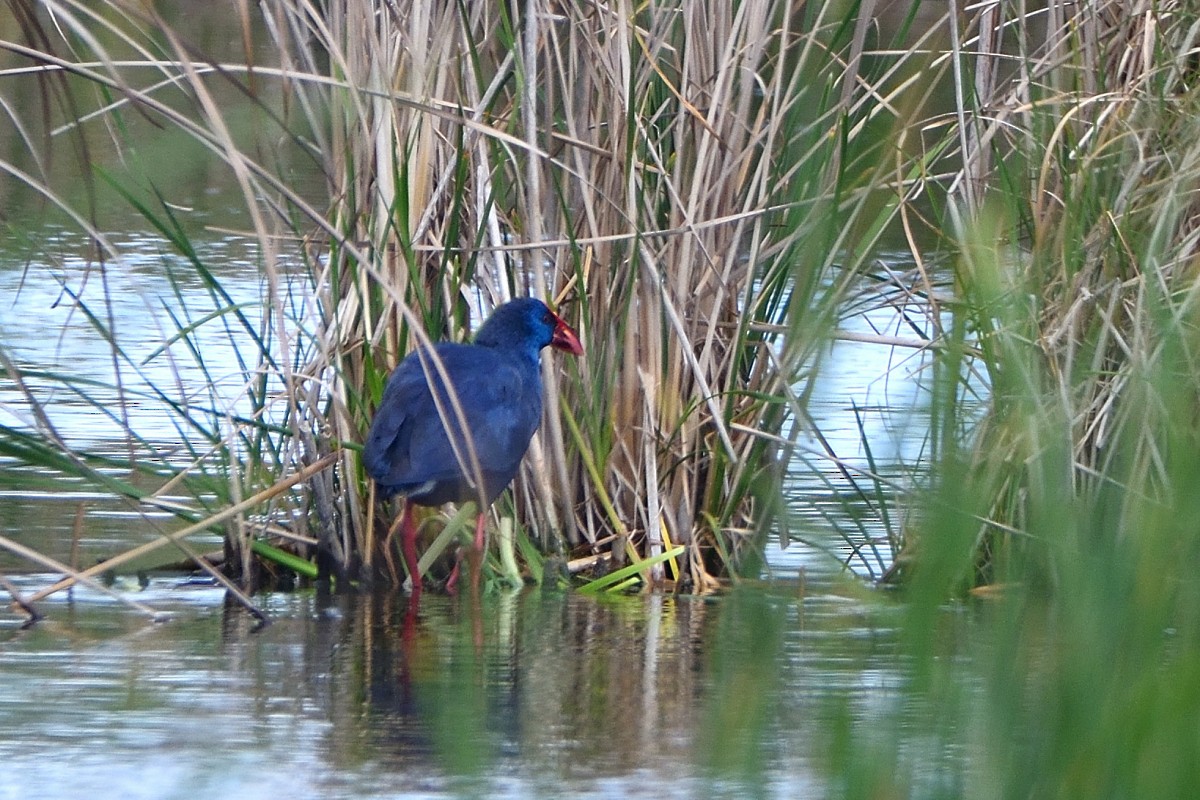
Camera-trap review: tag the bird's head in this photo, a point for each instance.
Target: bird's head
(528, 323)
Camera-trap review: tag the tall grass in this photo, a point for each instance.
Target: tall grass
(656, 172)
(688, 181)
(1068, 213)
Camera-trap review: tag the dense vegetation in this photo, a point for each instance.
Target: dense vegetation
(696, 186)
(700, 187)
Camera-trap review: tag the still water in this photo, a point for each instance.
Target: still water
(533, 694)
(528, 694)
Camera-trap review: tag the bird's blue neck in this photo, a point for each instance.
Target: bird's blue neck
(525, 349)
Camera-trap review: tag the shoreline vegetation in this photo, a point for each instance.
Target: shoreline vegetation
(661, 176)
(700, 188)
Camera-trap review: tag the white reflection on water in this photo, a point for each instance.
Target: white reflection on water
(45, 329)
(870, 403)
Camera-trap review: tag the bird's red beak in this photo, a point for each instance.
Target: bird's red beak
(564, 337)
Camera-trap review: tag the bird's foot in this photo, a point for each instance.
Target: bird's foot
(452, 581)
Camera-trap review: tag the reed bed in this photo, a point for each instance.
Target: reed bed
(695, 185)
(657, 173)
(1068, 220)
(1064, 209)
(699, 188)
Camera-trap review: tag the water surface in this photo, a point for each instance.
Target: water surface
(531, 694)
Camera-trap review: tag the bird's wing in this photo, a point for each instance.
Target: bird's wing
(405, 397)
(503, 406)
(500, 397)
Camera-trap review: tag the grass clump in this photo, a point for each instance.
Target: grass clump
(1070, 216)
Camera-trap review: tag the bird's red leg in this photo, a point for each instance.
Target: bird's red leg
(474, 558)
(480, 529)
(408, 543)
(477, 556)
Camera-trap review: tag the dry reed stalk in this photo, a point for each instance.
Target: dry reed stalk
(204, 525)
(74, 576)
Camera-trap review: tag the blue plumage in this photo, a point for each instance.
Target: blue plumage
(416, 449)
(409, 450)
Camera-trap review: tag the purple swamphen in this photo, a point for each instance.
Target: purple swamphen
(498, 383)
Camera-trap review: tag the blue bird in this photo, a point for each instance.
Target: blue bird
(416, 446)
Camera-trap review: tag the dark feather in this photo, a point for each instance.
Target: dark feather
(410, 449)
